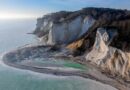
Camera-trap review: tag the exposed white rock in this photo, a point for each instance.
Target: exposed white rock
(100, 49)
(43, 40)
(86, 24)
(110, 59)
(64, 32)
(57, 34)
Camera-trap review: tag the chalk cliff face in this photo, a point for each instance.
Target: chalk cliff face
(102, 34)
(109, 59)
(68, 27)
(53, 33)
(100, 48)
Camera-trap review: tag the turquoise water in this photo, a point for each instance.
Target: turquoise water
(13, 35)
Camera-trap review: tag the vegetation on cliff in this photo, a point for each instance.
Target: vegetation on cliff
(107, 18)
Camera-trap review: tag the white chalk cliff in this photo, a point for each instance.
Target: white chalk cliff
(109, 59)
(64, 32)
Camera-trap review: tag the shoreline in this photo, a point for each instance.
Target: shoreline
(92, 72)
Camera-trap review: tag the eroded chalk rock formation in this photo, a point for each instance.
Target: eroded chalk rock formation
(109, 59)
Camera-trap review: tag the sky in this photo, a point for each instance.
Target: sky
(37, 8)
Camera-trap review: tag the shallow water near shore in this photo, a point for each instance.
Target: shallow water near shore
(13, 35)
